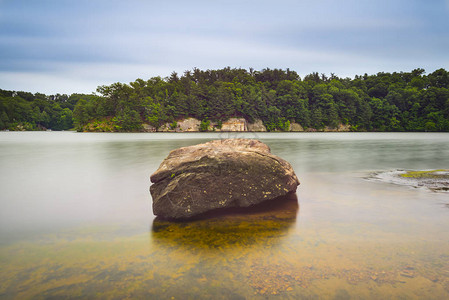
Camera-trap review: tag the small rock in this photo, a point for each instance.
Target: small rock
(407, 274)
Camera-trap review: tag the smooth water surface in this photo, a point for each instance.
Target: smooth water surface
(76, 222)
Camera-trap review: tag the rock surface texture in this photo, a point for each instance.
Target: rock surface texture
(219, 174)
(234, 124)
(257, 126)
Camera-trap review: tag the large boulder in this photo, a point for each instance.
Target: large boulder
(219, 174)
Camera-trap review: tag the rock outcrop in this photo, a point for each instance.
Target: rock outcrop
(148, 128)
(219, 174)
(340, 128)
(257, 126)
(295, 127)
(185, 125)
(234, 124)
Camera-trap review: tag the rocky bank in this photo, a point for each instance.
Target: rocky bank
(232, 125)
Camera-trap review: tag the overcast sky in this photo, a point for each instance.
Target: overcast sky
(65, 46)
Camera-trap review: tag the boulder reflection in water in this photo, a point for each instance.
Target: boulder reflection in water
(264, 224)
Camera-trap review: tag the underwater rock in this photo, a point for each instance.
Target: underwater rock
(262, 224)
(219, 174)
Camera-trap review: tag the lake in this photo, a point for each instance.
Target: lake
(76, 221)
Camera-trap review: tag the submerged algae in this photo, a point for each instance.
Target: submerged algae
(230, 228)
(435, 174)
(435, 180)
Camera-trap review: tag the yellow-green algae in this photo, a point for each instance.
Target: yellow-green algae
(244, 256)
(435, 174)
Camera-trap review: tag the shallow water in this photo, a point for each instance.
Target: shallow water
(76, 222)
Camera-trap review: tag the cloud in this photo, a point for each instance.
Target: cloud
(65, 46)
(202, 52)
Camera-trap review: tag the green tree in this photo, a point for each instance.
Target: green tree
(204, 125)
(380, 102)
(430, 126)
(128, 120)
(4, 120)
(80, 114)
(317, 118)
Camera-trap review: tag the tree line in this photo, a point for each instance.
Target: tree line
(399, 101)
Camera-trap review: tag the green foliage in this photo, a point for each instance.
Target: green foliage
(430, 126)
(26, 111)
(285, 126)
(204, 126)
(173, 125)
(128, 120)
(81, 114)
(410, 101)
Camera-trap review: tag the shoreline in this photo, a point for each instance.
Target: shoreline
(156, 132)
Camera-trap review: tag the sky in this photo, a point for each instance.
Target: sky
(74, 46)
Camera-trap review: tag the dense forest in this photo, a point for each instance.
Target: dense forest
(404, 101)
